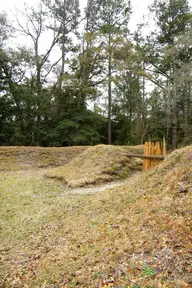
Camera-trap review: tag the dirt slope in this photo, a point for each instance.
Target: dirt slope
(97, 164)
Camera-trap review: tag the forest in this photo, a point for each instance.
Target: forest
(95, 81)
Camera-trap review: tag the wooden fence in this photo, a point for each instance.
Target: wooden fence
(154, 153)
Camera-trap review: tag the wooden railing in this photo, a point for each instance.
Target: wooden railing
(154, 153)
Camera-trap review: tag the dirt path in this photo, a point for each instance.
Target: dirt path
(93, 189)
(101, 188)
(39, 174)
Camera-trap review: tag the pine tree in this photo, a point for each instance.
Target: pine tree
(111, 20)
(171, 18)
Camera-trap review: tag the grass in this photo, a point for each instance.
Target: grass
(98, 164)
(22, 158)
(134, 235)
(148, 272)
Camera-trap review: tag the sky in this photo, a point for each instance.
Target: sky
(139, 8)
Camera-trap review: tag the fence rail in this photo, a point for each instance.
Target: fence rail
(146, 156)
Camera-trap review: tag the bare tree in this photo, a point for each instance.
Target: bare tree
(35, 26)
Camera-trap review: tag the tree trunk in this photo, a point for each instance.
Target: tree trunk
(167, 100)
(174, 115)
(38, 90)
(59, 96)
(185, 112)
(143, 94)
(109, 90)
(39, 100)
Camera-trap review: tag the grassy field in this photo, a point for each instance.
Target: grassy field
(137, 235)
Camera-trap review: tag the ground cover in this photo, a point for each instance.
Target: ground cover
(134, 235)
(22, 158)
(98, 164)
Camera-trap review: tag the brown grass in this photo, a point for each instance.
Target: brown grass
(17, 158)
(98, 164)
(135, 235)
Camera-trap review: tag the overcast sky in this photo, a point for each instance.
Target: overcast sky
(139, 7)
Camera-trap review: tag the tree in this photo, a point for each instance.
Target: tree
(111, 20)
(35, 28)
(6, 103)
(171, 18)
(66, 18)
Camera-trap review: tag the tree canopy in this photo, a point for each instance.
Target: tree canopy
(83, 78)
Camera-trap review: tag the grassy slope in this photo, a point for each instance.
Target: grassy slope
(136, 235)
(16, 158)
(98, 164)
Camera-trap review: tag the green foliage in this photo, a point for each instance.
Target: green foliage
(78, 127)
(148, 272)
(135, 286)
(97, 275)
(36, 109)
(73, 284)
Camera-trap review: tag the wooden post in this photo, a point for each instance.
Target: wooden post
(164, 147)
(149, 160)
(144, 160)
(156, 153)
(152, 153)
(146, 152)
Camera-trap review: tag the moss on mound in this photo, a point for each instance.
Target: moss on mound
(97, 164)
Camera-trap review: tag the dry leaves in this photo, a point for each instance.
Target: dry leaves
(135, 235)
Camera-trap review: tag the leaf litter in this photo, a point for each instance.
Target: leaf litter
(134, 235)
